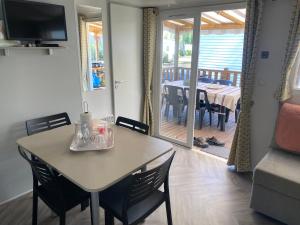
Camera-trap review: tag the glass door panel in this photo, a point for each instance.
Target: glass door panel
(176, 67)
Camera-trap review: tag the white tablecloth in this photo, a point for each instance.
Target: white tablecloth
(226, 96)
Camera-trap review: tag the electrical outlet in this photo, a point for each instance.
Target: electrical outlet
(265, 54)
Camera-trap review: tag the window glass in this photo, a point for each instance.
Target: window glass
(96, 55)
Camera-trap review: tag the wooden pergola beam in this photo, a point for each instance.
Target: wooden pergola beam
(231, 18)
(208, 21)
(222, 26)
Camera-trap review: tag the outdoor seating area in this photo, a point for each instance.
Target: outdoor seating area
(213, 96)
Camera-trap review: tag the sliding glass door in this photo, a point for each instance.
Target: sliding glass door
(177, 71)
(186, 60)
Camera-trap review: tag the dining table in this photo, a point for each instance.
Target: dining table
(95, 171)
(225, 96)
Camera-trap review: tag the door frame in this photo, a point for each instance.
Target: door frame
(195, 13)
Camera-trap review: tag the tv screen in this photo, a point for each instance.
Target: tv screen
(34, 21)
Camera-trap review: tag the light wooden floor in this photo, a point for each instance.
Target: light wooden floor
(203, 192)
(171, 129)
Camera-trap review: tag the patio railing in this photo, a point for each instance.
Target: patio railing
(182, 73)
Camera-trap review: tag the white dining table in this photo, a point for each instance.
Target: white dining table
(223, 95)
(95, 171)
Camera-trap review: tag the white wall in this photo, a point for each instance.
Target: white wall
(276, 21)
(33, 84)
(127, 59)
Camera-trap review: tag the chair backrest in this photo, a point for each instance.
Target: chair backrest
(202, 100)
(133, 125)
(223, 82)
(205, 80)
(47, 123)
(144, 184)
(41, 172)
(175, 95)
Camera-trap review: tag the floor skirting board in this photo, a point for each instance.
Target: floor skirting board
(15, 197)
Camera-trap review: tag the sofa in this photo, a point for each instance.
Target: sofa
(276, 179)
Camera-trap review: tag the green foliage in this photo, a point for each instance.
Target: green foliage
(186, 38)
(165, 58)
(188, 52)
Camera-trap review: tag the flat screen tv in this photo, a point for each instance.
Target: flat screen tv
(34, 21)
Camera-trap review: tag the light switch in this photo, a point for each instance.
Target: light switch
(265, 54)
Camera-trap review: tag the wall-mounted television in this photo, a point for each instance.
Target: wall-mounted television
(34, 21)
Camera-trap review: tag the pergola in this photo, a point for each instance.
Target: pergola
(214, 20)
(224, 20)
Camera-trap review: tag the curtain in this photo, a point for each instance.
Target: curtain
(84, 53)
(240, 155)
(150, 29)
(290, 61)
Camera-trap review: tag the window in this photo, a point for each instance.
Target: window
(96, 74)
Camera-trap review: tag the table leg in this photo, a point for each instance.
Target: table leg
(95, 208)
(222, 118)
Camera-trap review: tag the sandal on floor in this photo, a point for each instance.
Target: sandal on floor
(200, 142)
(215, 141)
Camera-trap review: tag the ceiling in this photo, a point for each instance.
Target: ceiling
(171, 3)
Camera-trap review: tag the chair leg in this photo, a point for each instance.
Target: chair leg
(84, 205)
(210, 118)
(237, 112)
(166, 110)
(186, 116)
(201, 117)
(109, 218)
(168, 209)
(34, 208)
(62, 219)
(227, 115)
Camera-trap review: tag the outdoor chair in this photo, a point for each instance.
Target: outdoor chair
(223, 82)
(137, 196)
(205, 80)
(175, 98)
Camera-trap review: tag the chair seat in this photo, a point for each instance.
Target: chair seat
(279, 171)
(113, 199)
(72, 195)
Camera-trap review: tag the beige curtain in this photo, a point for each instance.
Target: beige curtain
(150, 29)
(84, 53)
(290, 61)
(240, 155)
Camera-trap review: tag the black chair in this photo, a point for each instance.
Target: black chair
(47, 123)
(205, 80)
(59, 194)
(41, 124)
(175, 98)
(137, 196)
(223, 82)
(202, 105)
(133, 125)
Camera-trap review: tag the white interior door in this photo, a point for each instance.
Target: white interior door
(127, 60)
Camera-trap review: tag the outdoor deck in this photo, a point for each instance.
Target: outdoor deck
(173, 130)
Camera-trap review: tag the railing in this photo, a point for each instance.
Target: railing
(182, 73)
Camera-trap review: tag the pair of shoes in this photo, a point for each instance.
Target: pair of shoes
(200, 142)
(214, 141)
